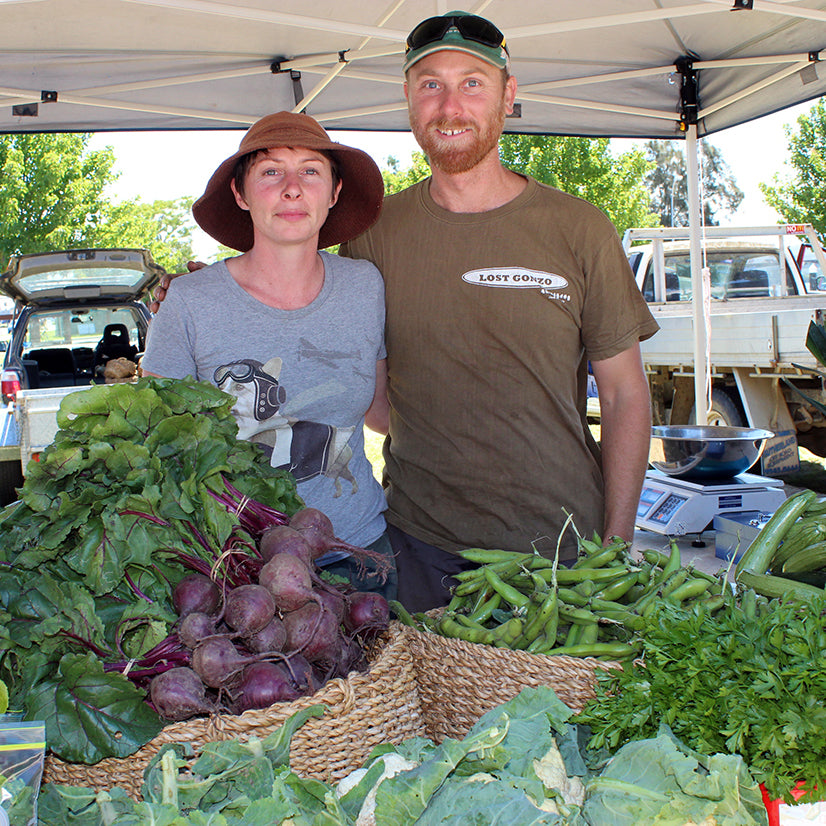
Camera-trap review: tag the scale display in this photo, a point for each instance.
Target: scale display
(675, 507)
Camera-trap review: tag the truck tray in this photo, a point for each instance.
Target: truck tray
(36, 413)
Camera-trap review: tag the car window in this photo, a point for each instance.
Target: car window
(82, 327)
(732, 275)
(810, 270)
(81, 273)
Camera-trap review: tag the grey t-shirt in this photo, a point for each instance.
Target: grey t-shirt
(303, 378)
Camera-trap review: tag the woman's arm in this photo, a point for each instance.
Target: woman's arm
(377, 416)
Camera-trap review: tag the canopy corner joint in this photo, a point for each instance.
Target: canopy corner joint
(689, 91)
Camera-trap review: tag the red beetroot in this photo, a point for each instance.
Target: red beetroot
(218, 662)
(289, 580)
(311, 631)
(178, 694)
(248, 608)
(316, 528)
(195, 627)
(282, 539)
(271, 637)
(262, 684)
(333, 600)
(196, 592)
(366, 610)
(302, 673)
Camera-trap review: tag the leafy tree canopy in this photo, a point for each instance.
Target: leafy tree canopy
(583, 167)
(52, 197)
(396, 179)
(587, 168)
(667, 183)
(802, 198)
(163, 227)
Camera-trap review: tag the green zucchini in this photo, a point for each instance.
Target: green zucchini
(776, 586)
(758, 556)
(811, 558)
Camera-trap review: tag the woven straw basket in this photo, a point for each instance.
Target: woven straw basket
(378, 706)
(459, 681)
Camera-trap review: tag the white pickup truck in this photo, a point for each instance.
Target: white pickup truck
(766, 284)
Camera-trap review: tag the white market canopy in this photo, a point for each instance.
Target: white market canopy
(620, 68)
(613, 68)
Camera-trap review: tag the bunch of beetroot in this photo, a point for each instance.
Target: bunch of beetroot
(273, 640)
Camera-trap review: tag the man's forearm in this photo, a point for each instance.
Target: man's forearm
(625, 438)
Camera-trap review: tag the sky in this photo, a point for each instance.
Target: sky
(167, 165)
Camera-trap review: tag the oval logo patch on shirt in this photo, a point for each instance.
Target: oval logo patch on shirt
(515, 278)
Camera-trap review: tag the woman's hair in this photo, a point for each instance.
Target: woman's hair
(246, 161)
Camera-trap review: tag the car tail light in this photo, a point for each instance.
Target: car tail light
(9, 384)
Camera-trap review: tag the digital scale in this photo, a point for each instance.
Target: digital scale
(676, 507)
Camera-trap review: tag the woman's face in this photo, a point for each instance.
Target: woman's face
(288, 193)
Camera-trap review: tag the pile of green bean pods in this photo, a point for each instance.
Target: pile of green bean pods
(595, 608)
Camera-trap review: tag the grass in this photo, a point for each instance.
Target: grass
(812, 473)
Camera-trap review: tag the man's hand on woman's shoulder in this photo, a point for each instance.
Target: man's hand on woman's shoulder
(159, 293)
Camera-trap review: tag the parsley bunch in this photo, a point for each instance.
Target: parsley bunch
(747, 684)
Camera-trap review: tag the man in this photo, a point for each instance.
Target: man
(498, 291)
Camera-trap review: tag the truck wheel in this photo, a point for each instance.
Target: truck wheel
(813, 440)
(724, 410)
(11, 477)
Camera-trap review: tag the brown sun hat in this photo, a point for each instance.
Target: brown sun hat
(359, 201)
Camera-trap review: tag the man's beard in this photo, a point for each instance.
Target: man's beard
(454, 160)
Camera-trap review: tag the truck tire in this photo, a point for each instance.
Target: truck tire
(11, 477)
(813, 440)
(724, 410)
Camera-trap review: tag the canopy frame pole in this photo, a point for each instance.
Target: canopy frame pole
(690, 101)
(698, 283)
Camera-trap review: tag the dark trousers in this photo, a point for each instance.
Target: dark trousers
(425, 572)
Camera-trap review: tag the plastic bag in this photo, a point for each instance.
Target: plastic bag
(22, 752)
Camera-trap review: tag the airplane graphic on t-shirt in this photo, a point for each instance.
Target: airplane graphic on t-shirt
(306, 449)
(308, 350)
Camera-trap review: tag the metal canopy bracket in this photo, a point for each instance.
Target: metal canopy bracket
(298, 92)
(25, 110)
(689, 91)
(808, 74)
(295, 76)
(278, 65)
(31, 110)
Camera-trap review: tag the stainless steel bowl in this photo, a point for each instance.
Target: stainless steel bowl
(704, 453)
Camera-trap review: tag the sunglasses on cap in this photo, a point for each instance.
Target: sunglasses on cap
(469, 26)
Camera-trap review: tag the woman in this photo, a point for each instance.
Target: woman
(294, 333)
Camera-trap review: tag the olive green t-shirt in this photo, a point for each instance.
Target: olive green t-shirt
(491, 318)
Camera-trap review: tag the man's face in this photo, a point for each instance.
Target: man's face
(457, 105)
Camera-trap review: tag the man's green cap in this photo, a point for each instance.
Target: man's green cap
(458, 31)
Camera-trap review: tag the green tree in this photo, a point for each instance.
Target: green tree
(52, 196)
(51, 191)
(802, 199)
(585, 167)
(396, 179)
(666, 181)
(163, 227)
(581, 166)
